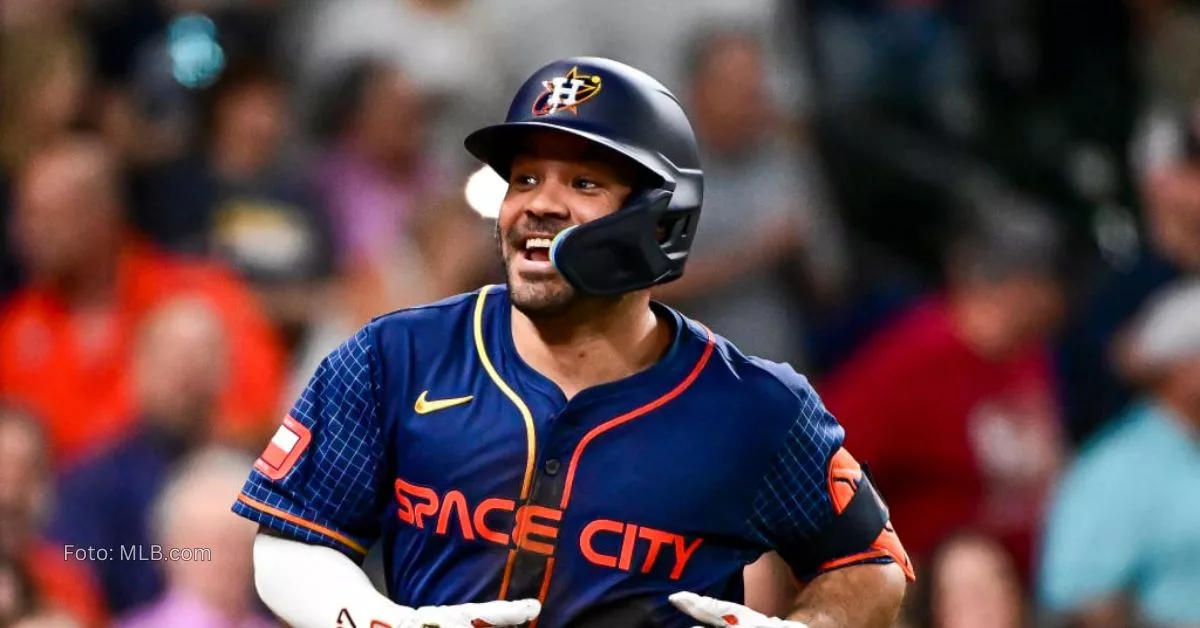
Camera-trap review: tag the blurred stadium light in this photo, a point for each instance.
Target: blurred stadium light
(484, 191)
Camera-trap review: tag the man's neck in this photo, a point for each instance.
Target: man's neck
(585, 350)
(1182, 410)
(90, 289)
(979, 326)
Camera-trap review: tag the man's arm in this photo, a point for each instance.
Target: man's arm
(313, 585)
(819, 511)
(858, 596)
(862, 596)
(318, 487)
(307, 584)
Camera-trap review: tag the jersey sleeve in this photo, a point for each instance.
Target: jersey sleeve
(319, 479)
(809, 483)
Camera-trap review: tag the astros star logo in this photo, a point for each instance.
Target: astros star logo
(566, 93)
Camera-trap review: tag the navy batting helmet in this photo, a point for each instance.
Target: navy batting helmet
(625, 110)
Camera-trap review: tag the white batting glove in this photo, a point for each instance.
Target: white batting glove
(485, 615)
(720, 613)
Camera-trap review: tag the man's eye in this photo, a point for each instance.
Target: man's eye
(523, 179)
(586, 184)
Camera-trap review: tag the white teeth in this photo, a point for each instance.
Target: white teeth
(537, 243)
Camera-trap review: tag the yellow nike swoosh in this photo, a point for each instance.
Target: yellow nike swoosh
(425, 406)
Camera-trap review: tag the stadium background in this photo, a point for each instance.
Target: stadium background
(952, 215)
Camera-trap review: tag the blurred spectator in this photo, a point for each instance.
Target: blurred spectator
(179, 365)
(58, 580)
(20, 608)
(763, 206)
(904, 57)
(1122, 542)
(1167, 156)
(651, 36)
(952, 405)
(65, 340)
(1171, 33)
(154, 54)
(16, 592)
(376, 178)
(50, 619)
(240, 198)
(10, 274)
(23, 14)
(445, 47)
(970, 582)
(43, 74)
(43, 78)
(211, 583)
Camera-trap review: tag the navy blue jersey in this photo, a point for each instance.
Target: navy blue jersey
(428, 433)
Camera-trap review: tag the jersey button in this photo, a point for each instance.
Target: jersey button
(552, 466)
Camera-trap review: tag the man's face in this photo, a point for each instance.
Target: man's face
(255, 114)
(179, 366)
(730, 90)
(558, 182)
(62, 213)
(1173, 210)
(391, 119)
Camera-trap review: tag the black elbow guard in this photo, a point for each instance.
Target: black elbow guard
(860, 527)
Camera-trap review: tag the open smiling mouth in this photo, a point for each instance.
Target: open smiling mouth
(537, 249)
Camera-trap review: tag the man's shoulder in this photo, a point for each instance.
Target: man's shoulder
(434, 326)
(428, 313)
(1140, 431)
(777, 387)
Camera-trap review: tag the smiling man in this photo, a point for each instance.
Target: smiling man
(563, 450)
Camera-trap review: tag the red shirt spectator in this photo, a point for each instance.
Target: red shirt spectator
(954, 438)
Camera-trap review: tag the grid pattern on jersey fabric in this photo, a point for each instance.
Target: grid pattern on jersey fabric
(792, 503)
(336, 482)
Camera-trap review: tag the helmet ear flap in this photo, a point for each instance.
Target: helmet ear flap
(675, 230)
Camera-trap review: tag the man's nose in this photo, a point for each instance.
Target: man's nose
(548, 200)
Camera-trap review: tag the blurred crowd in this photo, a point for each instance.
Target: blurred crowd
(974, 225)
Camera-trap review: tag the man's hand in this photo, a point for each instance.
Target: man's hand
(720, 613)
(485, 615)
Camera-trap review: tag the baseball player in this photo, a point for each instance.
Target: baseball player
(563, 451)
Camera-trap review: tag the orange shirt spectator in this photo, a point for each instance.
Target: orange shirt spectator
(66, 339)
(76, 373)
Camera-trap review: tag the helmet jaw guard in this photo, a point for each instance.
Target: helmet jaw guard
(617, 253)
(645, 242)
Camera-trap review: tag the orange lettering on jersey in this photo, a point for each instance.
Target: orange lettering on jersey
(536, 529)
(657, 539)
(415, 514)
(527, 526)
(683, 553)
(589, 532)
(455, 501)
(481, 512)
